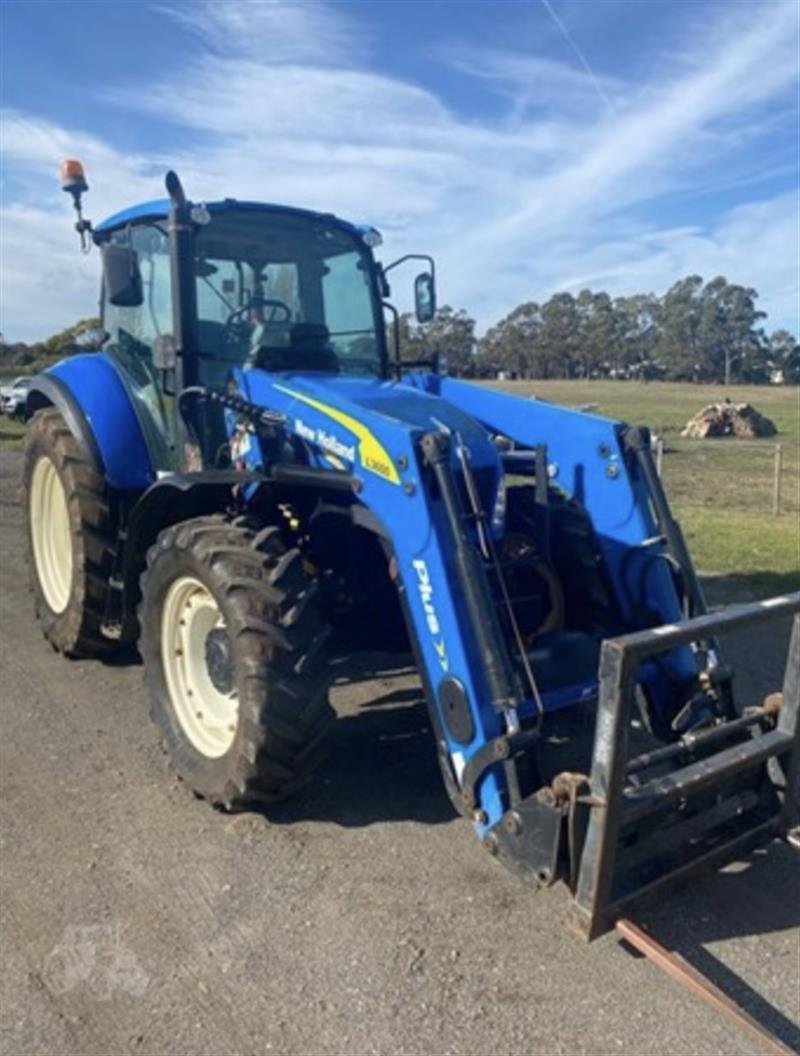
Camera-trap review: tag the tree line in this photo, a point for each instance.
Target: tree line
(697, 331)
(82, 336)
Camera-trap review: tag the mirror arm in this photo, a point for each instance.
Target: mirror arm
(412, 256)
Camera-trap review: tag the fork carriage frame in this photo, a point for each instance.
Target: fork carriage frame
(745, 818)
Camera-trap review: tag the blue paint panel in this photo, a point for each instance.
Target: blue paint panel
(158, 209)
(94, 382)
(581, 448)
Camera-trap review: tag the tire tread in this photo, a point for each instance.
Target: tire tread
(271, 608)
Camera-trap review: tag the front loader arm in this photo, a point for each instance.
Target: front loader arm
(587, 459)
(471, 690)
(595, 461)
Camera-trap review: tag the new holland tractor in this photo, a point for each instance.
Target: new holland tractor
(246, 475)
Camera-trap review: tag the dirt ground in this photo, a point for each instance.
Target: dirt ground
(364, 918)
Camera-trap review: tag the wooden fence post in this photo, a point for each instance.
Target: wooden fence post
(776, 488)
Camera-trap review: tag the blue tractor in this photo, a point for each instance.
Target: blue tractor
(250, 483)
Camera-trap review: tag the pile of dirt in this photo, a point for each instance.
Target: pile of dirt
(729, 419)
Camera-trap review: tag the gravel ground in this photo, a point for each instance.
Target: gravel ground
(365, 918)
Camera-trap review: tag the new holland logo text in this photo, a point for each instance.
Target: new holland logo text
(326, 441)
(371, 451)
(426, 596)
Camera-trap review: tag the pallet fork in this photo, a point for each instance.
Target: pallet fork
(736, 786)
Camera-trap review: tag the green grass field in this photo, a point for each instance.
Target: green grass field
(721, 490)
(11, 433)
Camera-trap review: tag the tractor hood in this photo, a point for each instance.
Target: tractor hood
(362, 408)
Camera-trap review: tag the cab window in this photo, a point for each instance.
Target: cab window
(132, 333)
(283, 292)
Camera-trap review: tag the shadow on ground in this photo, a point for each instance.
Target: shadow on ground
(748, 900)
(381, 766)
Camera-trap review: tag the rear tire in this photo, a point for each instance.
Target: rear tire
(235, 660)
(70, 538)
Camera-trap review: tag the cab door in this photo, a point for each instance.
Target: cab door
(132, 333)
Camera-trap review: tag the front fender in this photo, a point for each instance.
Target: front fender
(97, 407)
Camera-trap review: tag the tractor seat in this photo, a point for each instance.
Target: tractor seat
(308, 350)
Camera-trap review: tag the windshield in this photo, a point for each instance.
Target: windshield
(285, 292)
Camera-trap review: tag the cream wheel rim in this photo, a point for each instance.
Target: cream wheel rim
(207, 715)
(50, 535)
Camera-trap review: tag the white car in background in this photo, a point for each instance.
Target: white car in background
(13, 396)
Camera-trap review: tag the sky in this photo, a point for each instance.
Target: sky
(531, 146)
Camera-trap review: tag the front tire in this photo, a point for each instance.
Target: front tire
(70, 538)
(235, 660)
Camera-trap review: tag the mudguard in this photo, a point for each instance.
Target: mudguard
(98, 408)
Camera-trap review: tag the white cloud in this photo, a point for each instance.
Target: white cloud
(753, 244)
(532, 81)
(273, 31)
(541, 199)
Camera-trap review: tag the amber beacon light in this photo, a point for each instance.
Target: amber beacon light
(73, 181)
(73, 178)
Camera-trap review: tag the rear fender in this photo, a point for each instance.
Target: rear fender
(92, 397)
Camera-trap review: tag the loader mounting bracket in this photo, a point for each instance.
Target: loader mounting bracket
(528, 838)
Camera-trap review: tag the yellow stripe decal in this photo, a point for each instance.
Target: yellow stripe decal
(374, 456)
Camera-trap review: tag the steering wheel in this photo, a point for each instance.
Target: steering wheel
(275, 311)
(237, 330)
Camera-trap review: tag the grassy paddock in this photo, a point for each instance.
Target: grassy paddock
(11, 432)
(721, 490)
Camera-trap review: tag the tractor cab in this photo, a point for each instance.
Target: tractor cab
(249, 285)
(273, 287)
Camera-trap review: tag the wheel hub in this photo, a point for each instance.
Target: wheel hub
(219, 660)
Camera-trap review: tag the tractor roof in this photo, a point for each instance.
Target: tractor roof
(158, 209)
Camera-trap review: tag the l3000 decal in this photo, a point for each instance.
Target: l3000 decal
(373, 455)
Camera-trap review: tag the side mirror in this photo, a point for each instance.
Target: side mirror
(121, 276)
(424, 297)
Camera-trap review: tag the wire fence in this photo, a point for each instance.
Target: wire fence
(754, 475)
